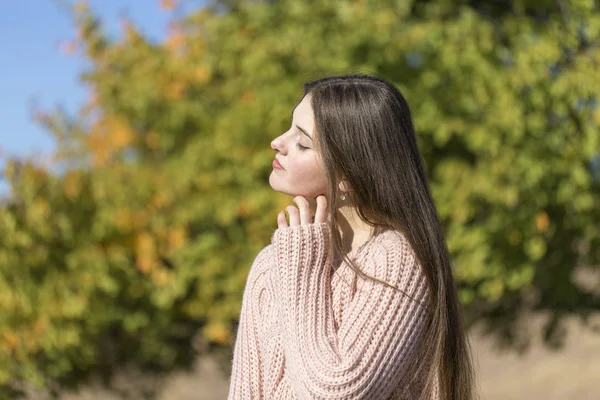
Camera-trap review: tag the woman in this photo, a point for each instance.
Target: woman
(354, 298)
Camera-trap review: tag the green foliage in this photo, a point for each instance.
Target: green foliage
(148, 236)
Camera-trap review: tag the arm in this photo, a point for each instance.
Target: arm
(246, 369)
(367, 357)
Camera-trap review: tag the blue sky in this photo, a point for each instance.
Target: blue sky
(33, 69)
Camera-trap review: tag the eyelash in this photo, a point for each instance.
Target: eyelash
(300, 147)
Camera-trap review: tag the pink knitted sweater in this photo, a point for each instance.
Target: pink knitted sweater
(311, 331)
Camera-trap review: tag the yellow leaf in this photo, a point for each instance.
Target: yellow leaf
(11, 341)
(119, 133)
(40, 208)
(160, 277)
(177, 238)
(244, 208)
(542, 221)
(145, 264)
(123, 218)
(145, 243)
(597, 117)
(217, 332)
(72, 185)
(98, 145)
(159, 200)
(175, 90)
(129, 30)
(202, 74)
(107, 136)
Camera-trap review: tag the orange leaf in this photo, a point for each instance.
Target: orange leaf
(160, 277)
(244, 208)
(248, 97)
(72, 185)
(217, 332)
(177, 238)
(542, 221)
(152, 140)
(145, 243)
(40, 326)
(140, 219)
(175, 40)
(202, 74)
(80, 6)
(145, 264)
(68, 47)
(167, 4)
(11, 341)
(121, 135)
(159, 200)
(175, 90)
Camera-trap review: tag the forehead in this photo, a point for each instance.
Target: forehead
(303, 113)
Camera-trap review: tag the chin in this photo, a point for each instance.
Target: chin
(276, 187)
(272, 183)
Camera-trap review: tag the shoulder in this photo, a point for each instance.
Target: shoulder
(265, 255)
(391, 250)
(262, 263)
(264, 258)
(396, 246)
(392, 259)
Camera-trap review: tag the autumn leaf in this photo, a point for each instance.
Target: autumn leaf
(68, 47)
(167, 4)
(542, 221)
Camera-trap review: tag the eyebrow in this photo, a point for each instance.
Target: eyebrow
(301, 130)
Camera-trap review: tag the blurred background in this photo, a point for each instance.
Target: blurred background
(135, 155)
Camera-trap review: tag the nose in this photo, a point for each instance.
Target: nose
(278, 144)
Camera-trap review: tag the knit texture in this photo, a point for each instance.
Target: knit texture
(309, 330)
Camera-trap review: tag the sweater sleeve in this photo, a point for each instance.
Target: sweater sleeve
(246, 375)
(367, 355)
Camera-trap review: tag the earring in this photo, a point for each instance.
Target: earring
(343, 196)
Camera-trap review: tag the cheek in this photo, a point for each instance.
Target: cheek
(304, 176)
(309, 174)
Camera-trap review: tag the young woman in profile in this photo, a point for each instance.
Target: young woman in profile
(354, 298)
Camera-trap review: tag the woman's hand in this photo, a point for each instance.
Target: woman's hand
(302, 214)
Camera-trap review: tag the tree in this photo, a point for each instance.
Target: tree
(148, 235)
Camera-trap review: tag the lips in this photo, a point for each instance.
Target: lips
(276, 164)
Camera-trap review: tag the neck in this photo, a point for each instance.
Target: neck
(354, 231)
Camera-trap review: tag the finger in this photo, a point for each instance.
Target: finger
(321, 213)
(294, 215)
(304, 208)
(281, 221)
(312, 204)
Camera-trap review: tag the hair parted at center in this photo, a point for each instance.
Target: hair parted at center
(365, 134)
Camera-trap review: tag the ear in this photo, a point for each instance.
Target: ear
(344, 186)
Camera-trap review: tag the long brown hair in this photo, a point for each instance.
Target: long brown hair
(365, 134)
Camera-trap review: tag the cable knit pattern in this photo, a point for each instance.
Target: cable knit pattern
(310, 331)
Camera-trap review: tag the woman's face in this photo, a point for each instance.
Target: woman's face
(302, 172)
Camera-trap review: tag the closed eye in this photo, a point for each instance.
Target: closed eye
(301, 148)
